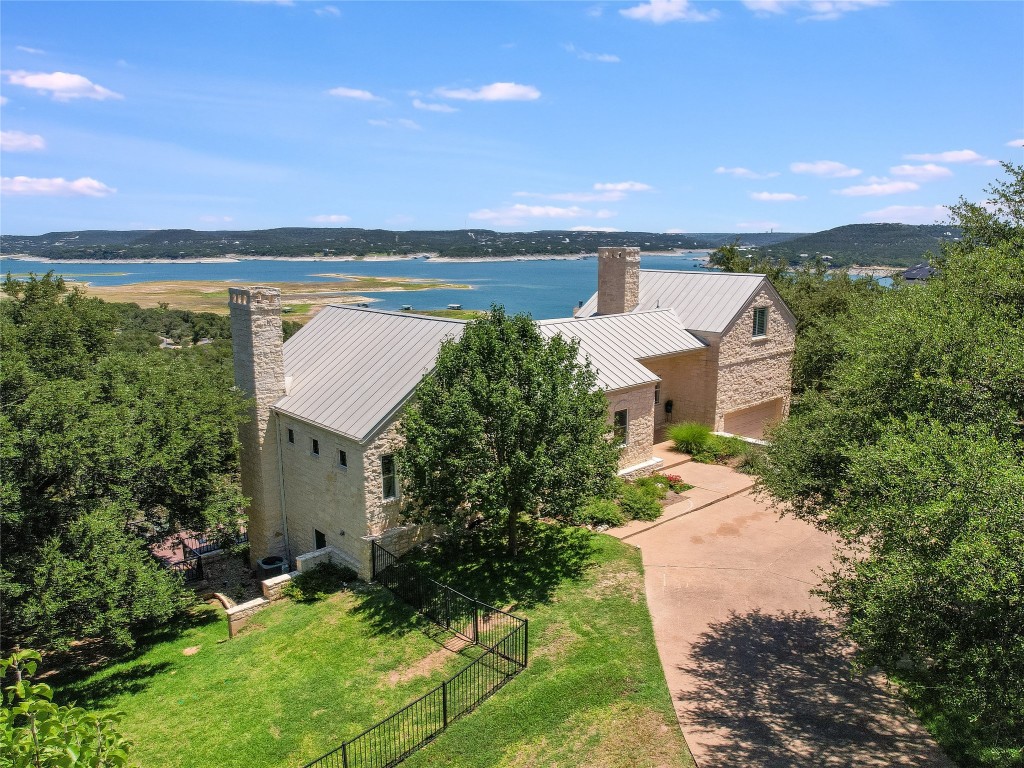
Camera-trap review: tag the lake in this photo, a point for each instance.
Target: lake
(545, 289)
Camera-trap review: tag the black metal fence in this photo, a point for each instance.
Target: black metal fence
(204, 543)
(190, 570)
(504, 637)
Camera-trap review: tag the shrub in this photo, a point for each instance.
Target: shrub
(322, 580)
(655, 486)
(599, 512)
(675, 482)
(689, 436)
(637, 503)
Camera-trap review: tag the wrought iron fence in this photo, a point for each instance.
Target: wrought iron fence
(190, 569)
(503, 636)
(204, 543)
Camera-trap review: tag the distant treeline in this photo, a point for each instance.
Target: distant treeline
(884, 244)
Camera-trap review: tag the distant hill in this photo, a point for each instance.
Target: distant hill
(346, 241)
(867, 244)
(884, 244)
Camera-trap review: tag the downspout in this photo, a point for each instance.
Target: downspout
(280, 474)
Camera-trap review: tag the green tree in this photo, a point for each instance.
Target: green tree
(911, 453)
(36, 733)
(507, 424)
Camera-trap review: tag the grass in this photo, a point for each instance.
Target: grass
(594, 693)
(301, 678)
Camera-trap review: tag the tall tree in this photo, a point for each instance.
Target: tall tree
(911, 454)
(507, 424)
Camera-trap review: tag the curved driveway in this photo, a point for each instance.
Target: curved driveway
(758, 673)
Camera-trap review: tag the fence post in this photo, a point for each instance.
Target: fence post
(444, 703)
(476, 623)
(344, 754)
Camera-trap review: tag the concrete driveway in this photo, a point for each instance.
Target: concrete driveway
(757, 670)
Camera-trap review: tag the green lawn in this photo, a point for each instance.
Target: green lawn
(303, 677)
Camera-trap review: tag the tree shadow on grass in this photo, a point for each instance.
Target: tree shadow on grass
(477, 563)
(384, 613)
(778, 691)
(96, 693)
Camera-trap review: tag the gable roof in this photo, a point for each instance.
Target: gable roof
(921, 271)
(616, 343)
(703, 301)
(352, 368)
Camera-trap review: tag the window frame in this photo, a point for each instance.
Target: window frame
(317, 536)
(622, 429)
(314, 447)
(342, 458)
(385, 476)
(657, 393)
(760, 312)
(291, 436)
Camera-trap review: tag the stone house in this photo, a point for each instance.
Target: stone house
(318, 452)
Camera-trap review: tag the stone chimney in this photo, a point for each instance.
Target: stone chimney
(258, 347)
(618, 280)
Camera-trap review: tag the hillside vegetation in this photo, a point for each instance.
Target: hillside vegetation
(867, 244)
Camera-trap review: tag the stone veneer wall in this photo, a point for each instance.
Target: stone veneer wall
(688, 380)
(755, 370)
(639, 404)
(319, 493)
(618, 280)
(258, 354)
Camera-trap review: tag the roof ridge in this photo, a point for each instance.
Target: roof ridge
(396, 313)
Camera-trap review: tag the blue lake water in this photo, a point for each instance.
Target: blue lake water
(545, 289)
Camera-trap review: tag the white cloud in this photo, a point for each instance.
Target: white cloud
(926, 172)
(776, 197)
(430, 107)
(664, 11)
(33, 51)
(909, 214)
(604, 58)
(353, 93)
(757, 226)
(25, 185)
(610, 196)
(215, 219)
(623, 186)
(61, 86)
(513, 215)
(878, 189)
(828, 169)
(492, 92)
(1015, 143)
(953, 156)
(401, 122)
(330, 218)
(16, 141)
(327, 10)
(744, 173)
(814, 10)
(593, 229)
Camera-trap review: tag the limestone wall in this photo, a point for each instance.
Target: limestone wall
(319, 493)
(687, 379)
(381, 513)
(618, 280)
(639, 404)
(755, 370)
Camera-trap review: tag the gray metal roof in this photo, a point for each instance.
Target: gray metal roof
(352, 368)
(703, 301)
(616, 343)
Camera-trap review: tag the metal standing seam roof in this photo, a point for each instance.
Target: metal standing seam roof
(703, 301)
(616, 343)
(351, 368)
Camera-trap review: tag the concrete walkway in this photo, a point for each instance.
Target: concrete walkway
(757, 671)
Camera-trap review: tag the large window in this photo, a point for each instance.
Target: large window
(620, 427)
(761, 321)
(387, 471)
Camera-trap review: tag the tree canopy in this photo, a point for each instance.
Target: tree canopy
(910, 449)
(507, 424)
(98, 432)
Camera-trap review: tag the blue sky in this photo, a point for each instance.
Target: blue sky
(663, 116)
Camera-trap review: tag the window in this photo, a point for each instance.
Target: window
(657, 392)
(387, 471)
(620, 427)
(319, 539)
(760, 321)
(316, 447)
(291, 435)
(342, 459)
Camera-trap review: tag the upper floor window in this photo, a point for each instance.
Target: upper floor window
(342, 459)
(316, 447)
(657, 392)
(291, 435)
(620, 427)
(761, 321)
(387, 472)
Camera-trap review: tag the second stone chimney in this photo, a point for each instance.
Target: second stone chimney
(618, 280)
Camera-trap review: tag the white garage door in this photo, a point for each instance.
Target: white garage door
(750, 422)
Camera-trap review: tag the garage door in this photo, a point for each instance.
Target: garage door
(750, 422)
